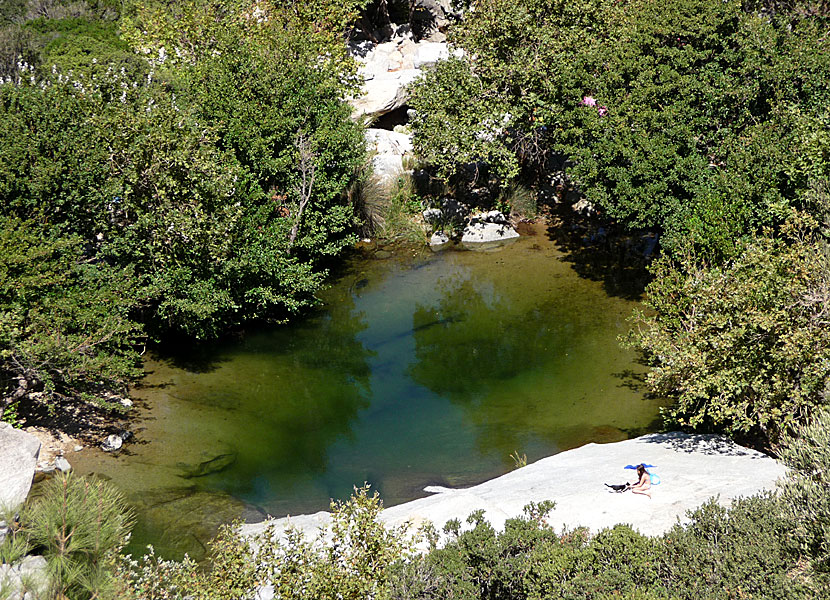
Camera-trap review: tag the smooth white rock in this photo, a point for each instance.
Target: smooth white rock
(429, 53)
(61, 464)
(112, 443)
(438, 238)
(19, 452)
(384, 93)
(483, 232)
(388, 149)
(692, 469)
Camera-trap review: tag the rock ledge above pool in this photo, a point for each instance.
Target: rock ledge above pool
(692, 469)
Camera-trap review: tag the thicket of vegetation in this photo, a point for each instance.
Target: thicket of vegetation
(165, 169)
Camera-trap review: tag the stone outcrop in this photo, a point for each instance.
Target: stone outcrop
(388, 68)
(19, 452)
(388, 149)
(488, 228)
(692, 469)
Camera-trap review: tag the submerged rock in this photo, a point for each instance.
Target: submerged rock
(19, 452)
(210, 466)
(189, 517)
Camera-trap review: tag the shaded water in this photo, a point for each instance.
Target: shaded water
(420, 369)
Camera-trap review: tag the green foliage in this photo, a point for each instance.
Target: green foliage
(65, 328)
(399, 212)
(742, 551)
(351, 560)
(79, 525)
(805, 492)
(684, 115)
(519, 460)
(185, 165)
(505, 101)
(744, 346)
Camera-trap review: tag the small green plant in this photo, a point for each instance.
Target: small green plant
(519, 200)
(79, 525)
(409, 162)
(401, 212)
(519, 460)
(16, 543)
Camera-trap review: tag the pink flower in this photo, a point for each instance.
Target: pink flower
(588, 101)
(602, 111)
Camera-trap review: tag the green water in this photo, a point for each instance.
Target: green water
(419, 369)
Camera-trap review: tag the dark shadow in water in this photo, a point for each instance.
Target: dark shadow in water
(290, 434)
(633, 380)
(603, 251)
(470, 344)
(465, 344)
(193, 357)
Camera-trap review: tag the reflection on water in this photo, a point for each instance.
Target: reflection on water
(429, 369)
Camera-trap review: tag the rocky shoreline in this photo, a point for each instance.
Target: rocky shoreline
(691, 468)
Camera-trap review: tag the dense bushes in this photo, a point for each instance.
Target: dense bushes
(677, 115)
(705, 121)
(195, 169)
(744, 345)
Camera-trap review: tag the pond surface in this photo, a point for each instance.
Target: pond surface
(423, 368)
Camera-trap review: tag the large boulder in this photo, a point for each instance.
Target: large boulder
(483, 232)
(383, 93)
(19, 452)
(388, 69)
(388, 149)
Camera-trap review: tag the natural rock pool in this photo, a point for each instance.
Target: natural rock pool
(420, 368)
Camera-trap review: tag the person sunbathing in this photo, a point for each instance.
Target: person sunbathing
(643, 486)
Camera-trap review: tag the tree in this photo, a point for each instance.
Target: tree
(674, 115)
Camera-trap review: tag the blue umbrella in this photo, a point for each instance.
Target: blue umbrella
(655, 479)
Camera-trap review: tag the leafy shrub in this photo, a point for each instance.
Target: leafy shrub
(805, 492)
(743, 346)
(66, 327)
(724, 553)
(352, 560)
